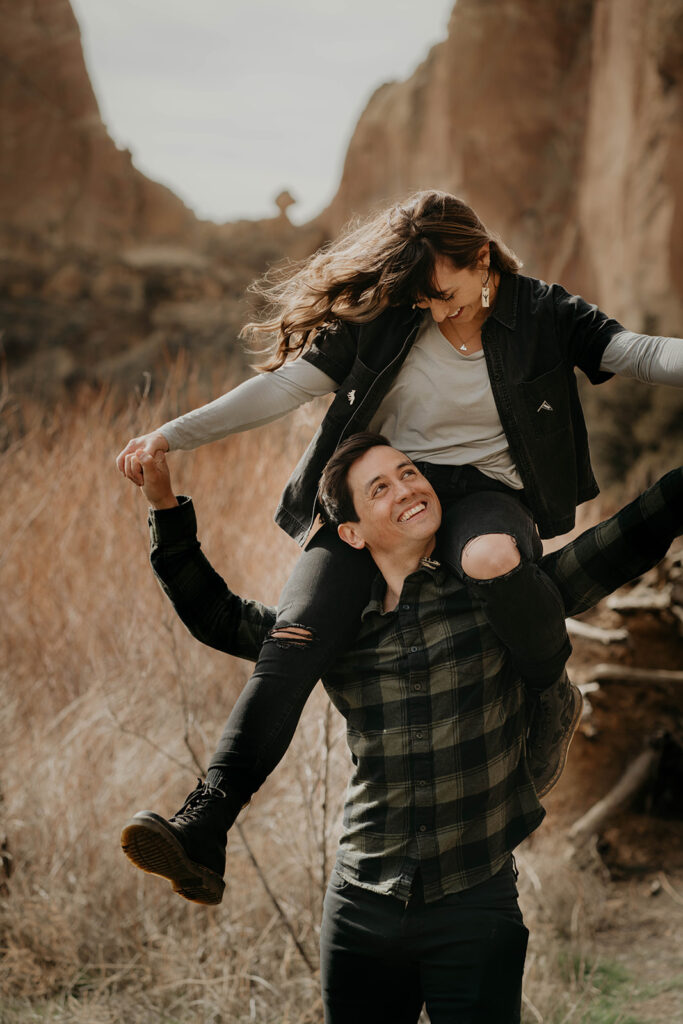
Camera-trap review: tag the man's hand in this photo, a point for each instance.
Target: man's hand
(127, 460)
(156, 478)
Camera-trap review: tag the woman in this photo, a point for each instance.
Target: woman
(422, 324)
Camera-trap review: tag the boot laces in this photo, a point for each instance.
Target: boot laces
(196, 803)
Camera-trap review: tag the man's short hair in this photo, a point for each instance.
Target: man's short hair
(335, 494)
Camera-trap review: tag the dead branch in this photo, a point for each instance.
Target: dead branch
(182, 689)
(273, 899)
(626, 674)
(252, 857)
(126, 730)
(530, 1006)
(324, 807)
(628, 786)
(641, 599)
(587, 632)
(668, 888)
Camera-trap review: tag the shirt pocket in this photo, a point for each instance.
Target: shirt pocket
(545, 402)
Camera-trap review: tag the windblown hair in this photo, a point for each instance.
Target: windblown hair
(334, 493)
(387, 260)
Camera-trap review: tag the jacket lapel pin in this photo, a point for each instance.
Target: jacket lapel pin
(351, 395)
(545, 407)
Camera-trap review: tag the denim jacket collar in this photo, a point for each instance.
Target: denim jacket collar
(505, 307)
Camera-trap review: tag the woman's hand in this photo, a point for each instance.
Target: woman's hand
(147, 444)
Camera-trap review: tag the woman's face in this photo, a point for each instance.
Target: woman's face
(461, 290)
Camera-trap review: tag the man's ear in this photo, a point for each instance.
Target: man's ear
(350, 535)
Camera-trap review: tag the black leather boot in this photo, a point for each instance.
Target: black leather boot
(556, 712)
(188, 849)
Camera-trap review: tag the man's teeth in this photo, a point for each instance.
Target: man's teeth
(410, 512)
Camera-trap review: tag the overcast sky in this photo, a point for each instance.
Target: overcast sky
(230, 101)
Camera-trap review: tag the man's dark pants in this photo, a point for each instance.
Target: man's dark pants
(461, 956)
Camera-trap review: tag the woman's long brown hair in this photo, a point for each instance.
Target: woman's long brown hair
(387, 260)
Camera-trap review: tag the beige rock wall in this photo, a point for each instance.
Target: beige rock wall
(630, 202)
(493, 114)
(561, 124)
(559, 121)
(104, 273)
(62, 176)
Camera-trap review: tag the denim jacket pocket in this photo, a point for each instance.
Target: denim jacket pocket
(351, 391)
(545, 401)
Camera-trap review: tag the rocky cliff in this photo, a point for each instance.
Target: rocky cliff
(561, 123)
(102, 271)
(63, 176)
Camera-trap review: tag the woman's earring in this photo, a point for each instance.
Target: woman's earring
(485, 294)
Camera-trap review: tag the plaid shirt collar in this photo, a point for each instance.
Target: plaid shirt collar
(379, 586)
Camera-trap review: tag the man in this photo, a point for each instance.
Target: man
(422, 905)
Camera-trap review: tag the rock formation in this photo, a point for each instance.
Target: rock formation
(561, 124)
(64, 179)
(103, 272)
(629, 205)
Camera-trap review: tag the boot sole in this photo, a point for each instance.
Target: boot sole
(566, 743)
(149, 843)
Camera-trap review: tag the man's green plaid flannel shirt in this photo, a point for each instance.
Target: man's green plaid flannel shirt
(435, 712)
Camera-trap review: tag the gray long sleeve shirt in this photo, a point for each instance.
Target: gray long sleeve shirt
(268, 396)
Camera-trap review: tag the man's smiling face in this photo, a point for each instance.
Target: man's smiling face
(396, 505)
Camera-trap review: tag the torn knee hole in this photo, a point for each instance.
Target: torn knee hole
(294, 635)
(489, 556)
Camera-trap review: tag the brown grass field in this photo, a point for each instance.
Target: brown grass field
(110, 706)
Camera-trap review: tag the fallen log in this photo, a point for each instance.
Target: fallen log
(641, 599)
(587, 632)
(626, 674)
(626, 789)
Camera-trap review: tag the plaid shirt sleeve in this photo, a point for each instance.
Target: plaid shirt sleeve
(202, 599)
(616, 551)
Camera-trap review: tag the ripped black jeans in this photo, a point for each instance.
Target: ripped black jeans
(330, 587)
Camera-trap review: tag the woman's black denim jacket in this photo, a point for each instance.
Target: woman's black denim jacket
(533, 338)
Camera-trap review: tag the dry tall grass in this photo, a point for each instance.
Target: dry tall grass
(110, 706)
